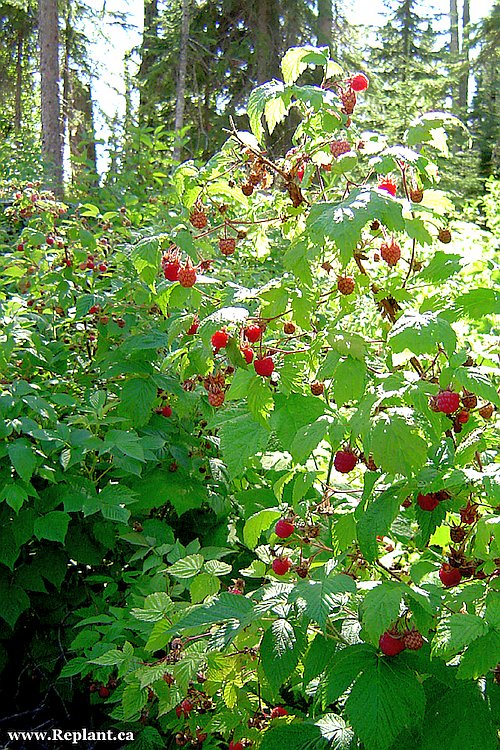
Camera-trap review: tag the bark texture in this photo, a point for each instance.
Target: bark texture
(180, 98)
(48, 35)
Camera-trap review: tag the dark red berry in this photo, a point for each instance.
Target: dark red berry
(284, 528)
(281, 565)
(216, 398)
(413, 640)
(198, 219)
(317, 388)
(187, 275)
(428, 502)
(193, 328)
(166, 411)
(444, 236)
(338, 148)
(463, 416)
(449, 576)
(390, 252)
(346, 284)
(264, 366)
(390, 645)
(103, 692)
(103, 267)
(50, 240)
(220, 339)
(235, 745)
(171, 270)
(345, 461)
(227, 245)
(278, 711)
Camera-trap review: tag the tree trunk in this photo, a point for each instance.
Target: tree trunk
(148, 57)
(48, 34)
(180, 94)
(454, 51)
(81, 131)
(267, 40)
(463, 85)
(19, 81)
(325, 23)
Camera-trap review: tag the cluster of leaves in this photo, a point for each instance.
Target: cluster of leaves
(144, 516)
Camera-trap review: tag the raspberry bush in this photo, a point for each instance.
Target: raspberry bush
(234, 456)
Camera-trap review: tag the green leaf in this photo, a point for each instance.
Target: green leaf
(257, 102)
(459, 719)
(52, 526)
(226, 607)
(479, 382)
(343, 669)
(159, 636)
(440, 267)
(343, 222)
(156, 606)
(14, 600)
(294, 737)
(308, 438)
(22, 458)
(14, 495)
(477, 303)
(74, 667)
(202, 586)
(241, 438)
(318, 656)
(417, 230)
(422, 333)
(137, 398)
(397, 447)
(186, 567)
(350, 380)
(384, 700)
(336, 731)
(292, 413)
(296, 60)
(133, 700)
(482, 655)
(280, 651)
(322, 597)
(146, 259)
(376, 521)
(456, 631)
(381, 607)
(257, 523)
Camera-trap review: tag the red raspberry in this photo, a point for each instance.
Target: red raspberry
(227, 245)
(463, 416)
(253, 334)
(198, 219)
(447, 402)
(359, 82)
(20, 247)
(171, 270)
(49, 240)
(103, 692)
(220, 339)
(449, 576)
(390, 252)
(187, 275)
(90, 265)
(281, 565)
(390, 645)
(264, 366)
(193, 328)
(345, 284)
(345, 461)
(278, 711)
(339, 147)
(413, 640)
(388, 185)
(284, 528)
(300, 172)
(94, 309)
(166, 411)
(235, 745)
(216, 398)
(428, 502)
(234, 590)
(103, 267)
(247, 354)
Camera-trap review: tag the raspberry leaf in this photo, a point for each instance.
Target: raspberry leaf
(381, 608)
(343, 669)
(280, 651)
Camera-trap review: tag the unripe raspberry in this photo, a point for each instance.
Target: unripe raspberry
(284, 528)
(346, 284)
(428, 502)
(281, 565)
(348, 99)
(486, 411)
(390, 252)
(187, 274)
(317, 388)
(463, 416)
(247, 189)
(198, 219)
(413, 640)
(339, 147)
(416, 195)
(220, 339)
(444, 236)
(447, 402)
(253, 334)
(469, 400)
(264, 366)
(458, 534)
(227, 245)
(391, 645)
(289, 327)
(216, 398)
(388, 185)
(345, 461)
(359, 82)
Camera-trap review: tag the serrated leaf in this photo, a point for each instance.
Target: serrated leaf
(156, 606)
(376, 521)
(257, 102)
(479, 382)
(381, 607)
(186, 567)
(343, 222)
(133, 700)
(456, 631)
(476, 303)
(318, 656)
(137, 398)
(257, 523)
(203, 585)
(52, 526)
(350, 380)
(322, 597)
(384, 700)
(396, 447)
(336, 731)
(159, 636)
(296, 60)
(441, 266)
(226, 607)
(294, 737)
(280, 651)
(422, 333)
(241, 438)
(343, 669)
(482, 655)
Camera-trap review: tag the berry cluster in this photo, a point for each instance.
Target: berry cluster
(392, 642)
